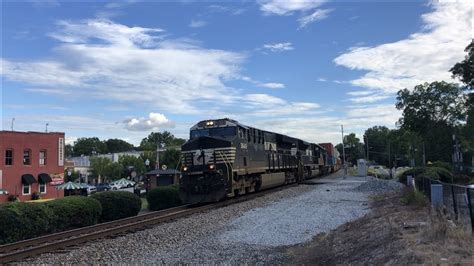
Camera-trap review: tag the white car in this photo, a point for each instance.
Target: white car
(115, 186)
(91, 189)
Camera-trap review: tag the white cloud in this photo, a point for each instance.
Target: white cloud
(424, 56)
(105, 31)
(154, 121)
(105, 60)
(197, 23)
(279, 47)
(369, 98)
(286, 7)
(273, 85)
(317, 15)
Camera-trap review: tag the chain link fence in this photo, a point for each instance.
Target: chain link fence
(457, 200)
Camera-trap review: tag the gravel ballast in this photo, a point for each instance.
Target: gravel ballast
(250, 232)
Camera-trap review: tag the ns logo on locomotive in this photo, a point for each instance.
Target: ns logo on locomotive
(224, 158)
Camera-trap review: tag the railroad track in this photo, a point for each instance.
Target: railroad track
(58, 241)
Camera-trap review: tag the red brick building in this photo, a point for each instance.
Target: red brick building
(31, 162)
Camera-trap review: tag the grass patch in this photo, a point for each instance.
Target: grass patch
(413, 197)
(144, 204)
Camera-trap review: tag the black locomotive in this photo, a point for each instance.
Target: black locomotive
(224, 158)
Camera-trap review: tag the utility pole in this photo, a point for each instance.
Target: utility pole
(367, 144)
(389, 159)
(457, 155)
(343, 152)
(424, 155)
(46, 130)
(158, 155)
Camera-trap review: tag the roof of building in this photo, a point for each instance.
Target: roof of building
(163, 172)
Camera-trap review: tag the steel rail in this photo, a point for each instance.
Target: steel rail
(54, 242)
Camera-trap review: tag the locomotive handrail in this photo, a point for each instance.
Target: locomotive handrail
(224, 158)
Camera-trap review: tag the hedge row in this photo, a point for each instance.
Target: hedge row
(163, 197)
(433, 172)
(22, 220)
(118, 205)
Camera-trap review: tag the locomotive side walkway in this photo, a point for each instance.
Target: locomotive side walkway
(255, 231)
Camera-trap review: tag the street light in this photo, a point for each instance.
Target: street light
(147, 164)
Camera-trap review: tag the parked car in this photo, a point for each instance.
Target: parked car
(115, 186)
(103, 187)
(91, 189)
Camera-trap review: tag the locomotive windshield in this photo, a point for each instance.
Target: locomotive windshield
(214, 132)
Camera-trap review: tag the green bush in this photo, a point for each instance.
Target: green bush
(415, 171)
(74, 212)
(440, 164)
(24, 220)
(163, 197)
(435, 173)
(414, 197)
(438, 173)
(118, 204)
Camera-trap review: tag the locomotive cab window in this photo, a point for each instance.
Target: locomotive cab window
(214, 132)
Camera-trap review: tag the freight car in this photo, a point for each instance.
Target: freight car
(224, 158)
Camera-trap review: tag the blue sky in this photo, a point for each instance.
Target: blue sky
(303, 68)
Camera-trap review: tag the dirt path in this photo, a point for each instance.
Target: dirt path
(392, 233)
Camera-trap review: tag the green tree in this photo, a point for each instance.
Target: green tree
(68, 150)
(71, 178)
(165, 138)
(114, 171)
(117, 145)
(86, 146)
(433, 111)
(131, 161)
(171, 158)
(464, 70)
(428, 103)
(378, 142)
(99, 166)
(354, 149)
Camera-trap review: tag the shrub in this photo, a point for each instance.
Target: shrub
(415, 171)
(24, 220)
(440, 164)
(438, 173)
(414, 197)
(35, 196)
(118, 204)
(13, 198)
(163, 197)
(74, 212)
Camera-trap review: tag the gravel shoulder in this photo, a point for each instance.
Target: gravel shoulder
(391, 234)
(252, 232)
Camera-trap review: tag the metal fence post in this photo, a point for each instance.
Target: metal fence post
(469, 204)
(455, 207)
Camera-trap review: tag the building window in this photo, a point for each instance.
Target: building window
(26, 189)
(26, 157)
(42, 157)
(42, 188)
(9, 157)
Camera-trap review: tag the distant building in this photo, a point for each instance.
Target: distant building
(82, 164)
(31, 162)
(162, 177)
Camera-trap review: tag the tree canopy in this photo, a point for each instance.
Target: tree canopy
(464, 70)
(431, 103)
(165, 139)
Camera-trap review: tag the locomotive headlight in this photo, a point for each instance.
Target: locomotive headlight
(212, 167)
(185, 168)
